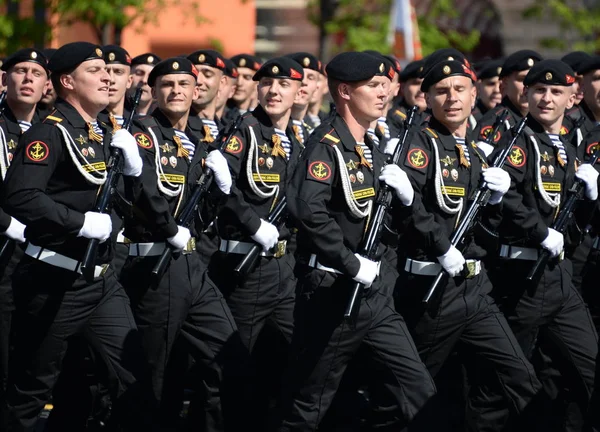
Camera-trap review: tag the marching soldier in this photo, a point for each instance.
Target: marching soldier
(315, 113)
(226, 91)
(576, 59)
(488, 87)
(514, 70)
(548, 312)
(46, 105)
(141, 66)
(310, 85)
(183, 305)
(410, 95)
(25, 79)
(331, 198)
(51, 186)
(245, 88)
(262, 156)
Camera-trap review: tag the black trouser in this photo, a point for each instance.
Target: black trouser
(185, 305)
(551, 316)
(263, 307)
(590, 289)
(324, 344)
(463, 316)
(53, 305)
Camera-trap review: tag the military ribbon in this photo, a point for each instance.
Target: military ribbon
(181, 150)
(278, 149)
(361, 154)
(463, 159)
(208, 138)
(93, 135)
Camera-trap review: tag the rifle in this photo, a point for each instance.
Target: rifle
(500, 119)
(562, 220)
(276, 217)
(186, 217)
(480, 199)
(372, 237)
(104, 200)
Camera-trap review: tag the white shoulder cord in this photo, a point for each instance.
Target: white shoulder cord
(439, 186)
(358, 210)
(552, 199)
(160, 174)
(253, 158)
(4, 161)
(70, 143)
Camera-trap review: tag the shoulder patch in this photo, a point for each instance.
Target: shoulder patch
(143, 140)
(487, 130)
(37, 151)
(517, 157)
(430, 132)
(235, 145)
(319, 171)
(564, 130)
(592, 148)
(417, 158)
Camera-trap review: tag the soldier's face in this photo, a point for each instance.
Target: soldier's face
(209, 81)
(245, 88)
(276, 95)
(489, 92)
(321, 91)
(547, 103)
(120, 81)
(512, 86)
(25, 83)
(591, 90)
(308, 88)
(90, 83)
(226, 91)
(451, 99)
(367, 99)
(394, 87)
(578, 88)
(49, 94)
(411, 91)
(174, 93)
(139, 74)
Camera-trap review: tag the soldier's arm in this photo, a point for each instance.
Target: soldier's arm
(308, 193)
(39, 152)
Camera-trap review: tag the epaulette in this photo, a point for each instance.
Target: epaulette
(330, 139)
(400, 114)
(50, 119)
(430, 132)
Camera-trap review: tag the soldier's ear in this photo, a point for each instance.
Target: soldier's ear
(4, 78)
(129, 81)
(571, 100)
(344, 90)
(473, 96)
(67, 81)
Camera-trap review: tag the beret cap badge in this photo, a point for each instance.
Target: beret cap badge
(306, 62)
(242, 62)
(530, 62)
(548, 76)
(111, 56)
(175, 65)
(150, 59)
(99, 52)
(446, 69)
(275, 70)
(381, 67)
(201, 58)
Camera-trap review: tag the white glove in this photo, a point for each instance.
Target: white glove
(367, 272)
(123, 140)
(486, 148)
(96, 226)
(452, 261)
(218, 164)
(390, 146)
(589, 175)
(267, 235)
(554, 242)
(498, 181)
(15, 231)
(181, 239)
(397, 179)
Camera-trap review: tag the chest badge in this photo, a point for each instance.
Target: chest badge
(167, 148)
(448, 161)
(546, 157)
(454, 174)
(12, 145)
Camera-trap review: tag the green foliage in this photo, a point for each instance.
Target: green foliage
(574, 18)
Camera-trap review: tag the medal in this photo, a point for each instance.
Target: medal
(92, 152)
(173, 161)
(543, 169)
(454, 174)
(269, 162)
(164, 160)
(445, 173)
(360, 176)
(261, 161)
(352, 178)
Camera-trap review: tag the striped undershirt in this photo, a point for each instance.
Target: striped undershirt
(300, 129)
(316, 120)
(382, 121)
(559, 146)
(461, 142)
(97, 128)
(285, 142)
(373, 136)
(214, 130)
(185, 141)
(368, 154)
(119, 119)
(24, 125)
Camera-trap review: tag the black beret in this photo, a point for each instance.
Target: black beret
(445, 69)
(208, 57)
(575, 59)
(149, 59)
(412, 70)
(71, 55)
(114, 54)
(247, 61)
(49, 52)
(591, 64)
(175, 65)
(552, 72)
(280, 67)
(489, 69)
(441, 55)
(230, 69)
(306, 60)
(519, 61)
(395, 63)
(26, 55)
(358, 66)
